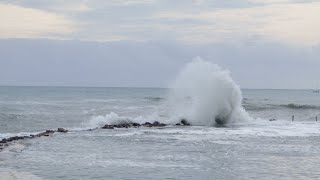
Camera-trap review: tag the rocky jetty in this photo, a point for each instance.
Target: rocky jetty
(6, 141)
(134, 125)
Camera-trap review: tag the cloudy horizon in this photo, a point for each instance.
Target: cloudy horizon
(143, 43)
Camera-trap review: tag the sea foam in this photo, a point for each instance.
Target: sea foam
(203, 93)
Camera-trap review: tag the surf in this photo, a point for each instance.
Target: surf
(203, 93)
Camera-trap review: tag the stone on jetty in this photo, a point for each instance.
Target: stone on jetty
(147, 124)
(108, 126)
(185, 122)
(14, 138)
(154, 124)
(4, 140)
(136, 124)
(62, 130)
(46, 133)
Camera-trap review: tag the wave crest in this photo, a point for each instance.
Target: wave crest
(300, 106)
(205, 94)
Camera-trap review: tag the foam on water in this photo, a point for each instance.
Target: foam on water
(113, 119)
(11, 174)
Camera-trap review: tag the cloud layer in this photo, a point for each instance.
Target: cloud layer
(194, 22)
(20, 22)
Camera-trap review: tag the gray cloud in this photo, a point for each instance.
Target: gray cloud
(265, 44)
(125, 63)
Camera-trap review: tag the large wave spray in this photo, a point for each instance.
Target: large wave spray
(205, 94)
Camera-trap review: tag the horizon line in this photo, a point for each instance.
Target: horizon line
(141, 87)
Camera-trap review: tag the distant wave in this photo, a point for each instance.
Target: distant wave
(154, 98)
(251, 107)
(263, 107)
(300, 106)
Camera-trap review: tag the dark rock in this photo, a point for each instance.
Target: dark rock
(14, 138)
(136, 124)
(185, 122)
(162, 124)
(219, 121)
(62, 130)
(147, 124)
(49, 131)
(272, 119)
(46, 133)
(156, 123)
(4, 140)
(108, 126)
(178, 124)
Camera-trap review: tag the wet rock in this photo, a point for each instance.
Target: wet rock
(219, 121)
(46, 134)
(178, 124)
(156, 123)
(147, 124)
(185, 122)
(4, 140)
(49, 131)
(33, 136)
(124, 125)
(108, 126)
(136, 124)
(272, 119)
(14, 138)
(62, 130)
(26, 137)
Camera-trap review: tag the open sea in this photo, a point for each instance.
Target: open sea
(268, 145)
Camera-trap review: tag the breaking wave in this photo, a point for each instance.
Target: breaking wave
(202, 94)
(300, 106)
(114, 119)
(154, 98)
(205, 94)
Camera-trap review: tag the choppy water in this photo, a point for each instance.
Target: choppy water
(253, 149)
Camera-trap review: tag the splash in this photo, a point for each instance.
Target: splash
(114, 119)
(205, 94)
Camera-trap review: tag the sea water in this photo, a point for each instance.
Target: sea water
(266, 145)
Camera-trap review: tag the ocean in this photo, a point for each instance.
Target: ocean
(268, 145)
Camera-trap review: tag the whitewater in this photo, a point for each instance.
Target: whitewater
(234, 134)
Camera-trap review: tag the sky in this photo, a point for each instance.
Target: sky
(144, 43)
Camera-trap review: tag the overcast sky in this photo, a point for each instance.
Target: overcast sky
(143, 43)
